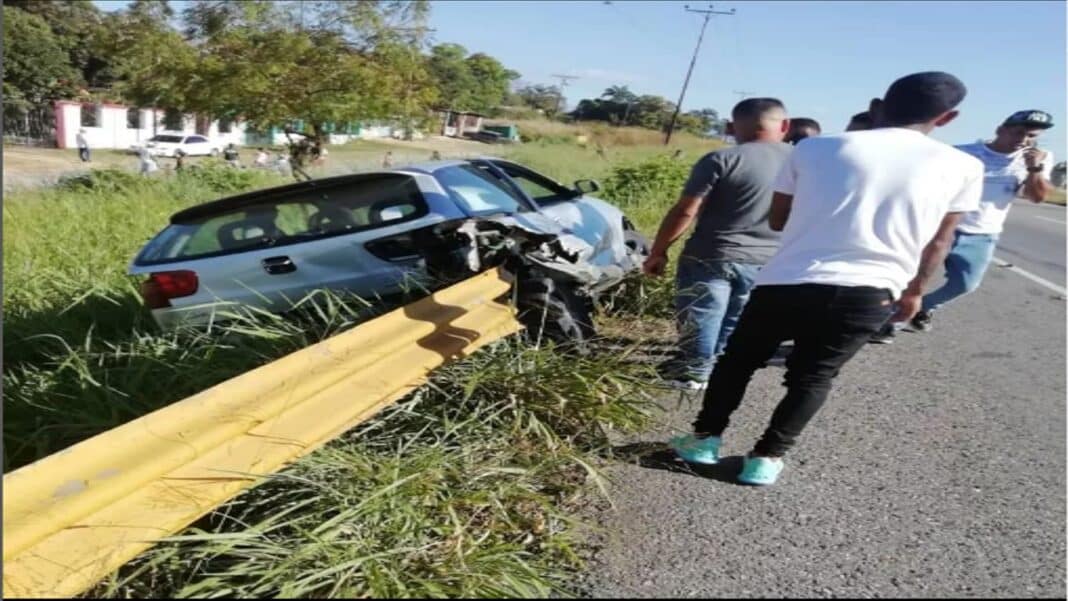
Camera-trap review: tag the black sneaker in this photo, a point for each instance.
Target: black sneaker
(921, 322)
(883, 336)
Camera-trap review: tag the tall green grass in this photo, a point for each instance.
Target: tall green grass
(465, 489)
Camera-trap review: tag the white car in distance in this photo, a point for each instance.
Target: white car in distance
(167, 144)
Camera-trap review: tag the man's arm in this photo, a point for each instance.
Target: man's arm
(933, 255)
(1036, 187)
(780, 210)
(672, 227)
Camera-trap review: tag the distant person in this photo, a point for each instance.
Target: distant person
(282, 165)
(728, 194)
(231, 155)
(859, 122)
(262, 158)
(387, 161)
(83, 145)
(1014, 167)
(801, 128)
(320, 152)
(867, 217)
(146, 163)
(179, 160)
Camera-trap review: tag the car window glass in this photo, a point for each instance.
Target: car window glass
(165, 138)
(541, 189)
(476, 191)
(300, 216)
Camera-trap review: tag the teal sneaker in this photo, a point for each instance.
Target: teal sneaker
(761, 471)
(697, 450)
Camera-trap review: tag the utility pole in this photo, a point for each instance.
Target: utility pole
(708, 15)
(563, 84)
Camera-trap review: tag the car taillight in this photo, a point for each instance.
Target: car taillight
(162, 286)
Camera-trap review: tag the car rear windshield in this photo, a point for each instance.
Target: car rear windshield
(165, 139)
(297, 217)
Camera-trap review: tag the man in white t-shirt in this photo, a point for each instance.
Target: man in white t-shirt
(1013, 168)
(867, 217)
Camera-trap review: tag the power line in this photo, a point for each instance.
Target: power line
(742, 94)
(708, 15)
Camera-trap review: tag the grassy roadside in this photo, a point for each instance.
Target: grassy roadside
(465, 489)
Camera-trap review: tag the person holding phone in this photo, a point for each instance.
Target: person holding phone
(1014, 167)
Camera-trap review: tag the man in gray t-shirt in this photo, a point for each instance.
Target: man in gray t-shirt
(729, 193)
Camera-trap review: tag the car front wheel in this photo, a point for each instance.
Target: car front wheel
(553, 311)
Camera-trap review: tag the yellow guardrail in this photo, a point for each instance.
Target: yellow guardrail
(72, 518)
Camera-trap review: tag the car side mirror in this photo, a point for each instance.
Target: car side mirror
(587, 186)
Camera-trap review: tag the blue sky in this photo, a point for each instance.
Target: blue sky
(824, 60)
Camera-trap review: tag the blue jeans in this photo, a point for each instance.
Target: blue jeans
(709, 299)
(965, 265)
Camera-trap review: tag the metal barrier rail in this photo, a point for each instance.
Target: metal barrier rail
(72, 518)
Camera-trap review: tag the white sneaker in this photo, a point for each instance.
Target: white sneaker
(693, 385)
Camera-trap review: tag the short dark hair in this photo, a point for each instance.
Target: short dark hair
(755, 108)
(802, 122)
(920, 97)
(797, 124)
(861, 118)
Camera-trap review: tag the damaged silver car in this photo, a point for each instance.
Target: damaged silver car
(376, 234)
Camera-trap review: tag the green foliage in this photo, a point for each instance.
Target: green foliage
(660, 177)
(101, 180)
(36, 66)
(548, 99)
(619, 106)
(475, 83)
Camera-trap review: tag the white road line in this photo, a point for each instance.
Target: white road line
(1034, 278)
(1048, 219)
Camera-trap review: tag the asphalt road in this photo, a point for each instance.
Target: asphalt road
(936, 469)
(1034, 240)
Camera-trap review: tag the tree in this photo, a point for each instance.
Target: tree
(37, 68)
(452, 75)
(153, 64)
(545, 98)
(477, 82)
(322, 63)
(701, 122)
(619, 94)
(76, 27)
(492, 80)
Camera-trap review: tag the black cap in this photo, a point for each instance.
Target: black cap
(1031, 118)
(921, 97)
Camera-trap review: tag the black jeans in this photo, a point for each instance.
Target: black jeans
(83, 153)
(828, 325)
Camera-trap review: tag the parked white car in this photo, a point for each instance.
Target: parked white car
(166, 144)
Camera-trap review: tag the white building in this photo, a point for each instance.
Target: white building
(118, 126)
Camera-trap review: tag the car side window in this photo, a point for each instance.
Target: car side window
(359, 205)
(542, 189)
(195, 140)
(477, 191)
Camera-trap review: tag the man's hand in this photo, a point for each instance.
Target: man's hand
(1033, 157)
(655, 265)
(908, 306)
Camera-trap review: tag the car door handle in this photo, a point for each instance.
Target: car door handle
(279, 265)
